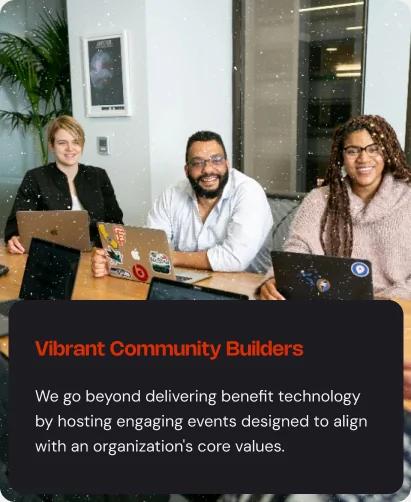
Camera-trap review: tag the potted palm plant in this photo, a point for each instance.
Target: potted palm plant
(38, 67)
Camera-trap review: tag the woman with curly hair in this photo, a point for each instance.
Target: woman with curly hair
(363, 209)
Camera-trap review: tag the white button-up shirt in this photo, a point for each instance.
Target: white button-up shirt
(236, 233)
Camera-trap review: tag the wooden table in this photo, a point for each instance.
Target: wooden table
(110, 288)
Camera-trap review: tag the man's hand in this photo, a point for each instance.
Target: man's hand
(14, 245)
(407, 379)
(99, 263)
(268, 291)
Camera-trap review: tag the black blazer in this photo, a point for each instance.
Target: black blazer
(46, 188)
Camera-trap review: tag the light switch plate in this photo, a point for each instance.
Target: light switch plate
(103, 145)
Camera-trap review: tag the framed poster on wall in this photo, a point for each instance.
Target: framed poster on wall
(106, 75)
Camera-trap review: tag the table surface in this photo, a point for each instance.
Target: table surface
(110, 288)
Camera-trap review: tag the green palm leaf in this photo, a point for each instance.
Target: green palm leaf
(53, 46)
(18, 64)
(38, 68)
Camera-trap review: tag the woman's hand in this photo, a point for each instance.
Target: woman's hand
(268, 291)
(14, 245)
(99, 263)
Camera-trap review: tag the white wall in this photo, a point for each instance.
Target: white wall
(189, 54)
(128, 164)
(387, 61)
(180, 55)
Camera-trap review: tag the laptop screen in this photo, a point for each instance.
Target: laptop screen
(50, 271)
(163, 289)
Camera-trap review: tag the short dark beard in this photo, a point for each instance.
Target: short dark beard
(209, 194)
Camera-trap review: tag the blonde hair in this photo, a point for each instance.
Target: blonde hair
(70, 125)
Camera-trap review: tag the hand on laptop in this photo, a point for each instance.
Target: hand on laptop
(14, 245)
(268, 291)
(99, 263)
(407, 379)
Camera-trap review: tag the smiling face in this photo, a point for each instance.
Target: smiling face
(67, 149)
(365, 169)
(208, 180)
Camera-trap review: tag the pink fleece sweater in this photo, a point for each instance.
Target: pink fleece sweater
(381, 233)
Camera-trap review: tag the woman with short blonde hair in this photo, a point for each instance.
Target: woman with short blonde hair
(64, 184)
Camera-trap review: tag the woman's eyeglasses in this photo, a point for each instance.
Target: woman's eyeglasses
(355, 151)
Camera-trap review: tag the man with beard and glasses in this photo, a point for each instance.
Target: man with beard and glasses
(217, 218)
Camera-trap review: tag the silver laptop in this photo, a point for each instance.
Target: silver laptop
(138, 254)
(68, 228)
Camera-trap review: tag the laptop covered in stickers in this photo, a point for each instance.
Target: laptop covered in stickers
(139, 254)
(301, 276)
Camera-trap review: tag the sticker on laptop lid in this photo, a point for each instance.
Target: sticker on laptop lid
(135, 254)
(106, 236)
(115, 256)
(323, 285)
(160, 262)
(120, 272)
(120, 234)
(103, 231)
(309, 277)
(140, 273)
(360, 269)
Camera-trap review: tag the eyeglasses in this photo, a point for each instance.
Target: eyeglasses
(215, 160)
(355, 151)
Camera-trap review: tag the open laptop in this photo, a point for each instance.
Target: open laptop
(68, 228)
(50, 274)
(139, 254)
(164, 289)
(305, 276)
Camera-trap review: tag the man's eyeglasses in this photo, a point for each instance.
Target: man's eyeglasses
(355, 151)
(215, 160)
